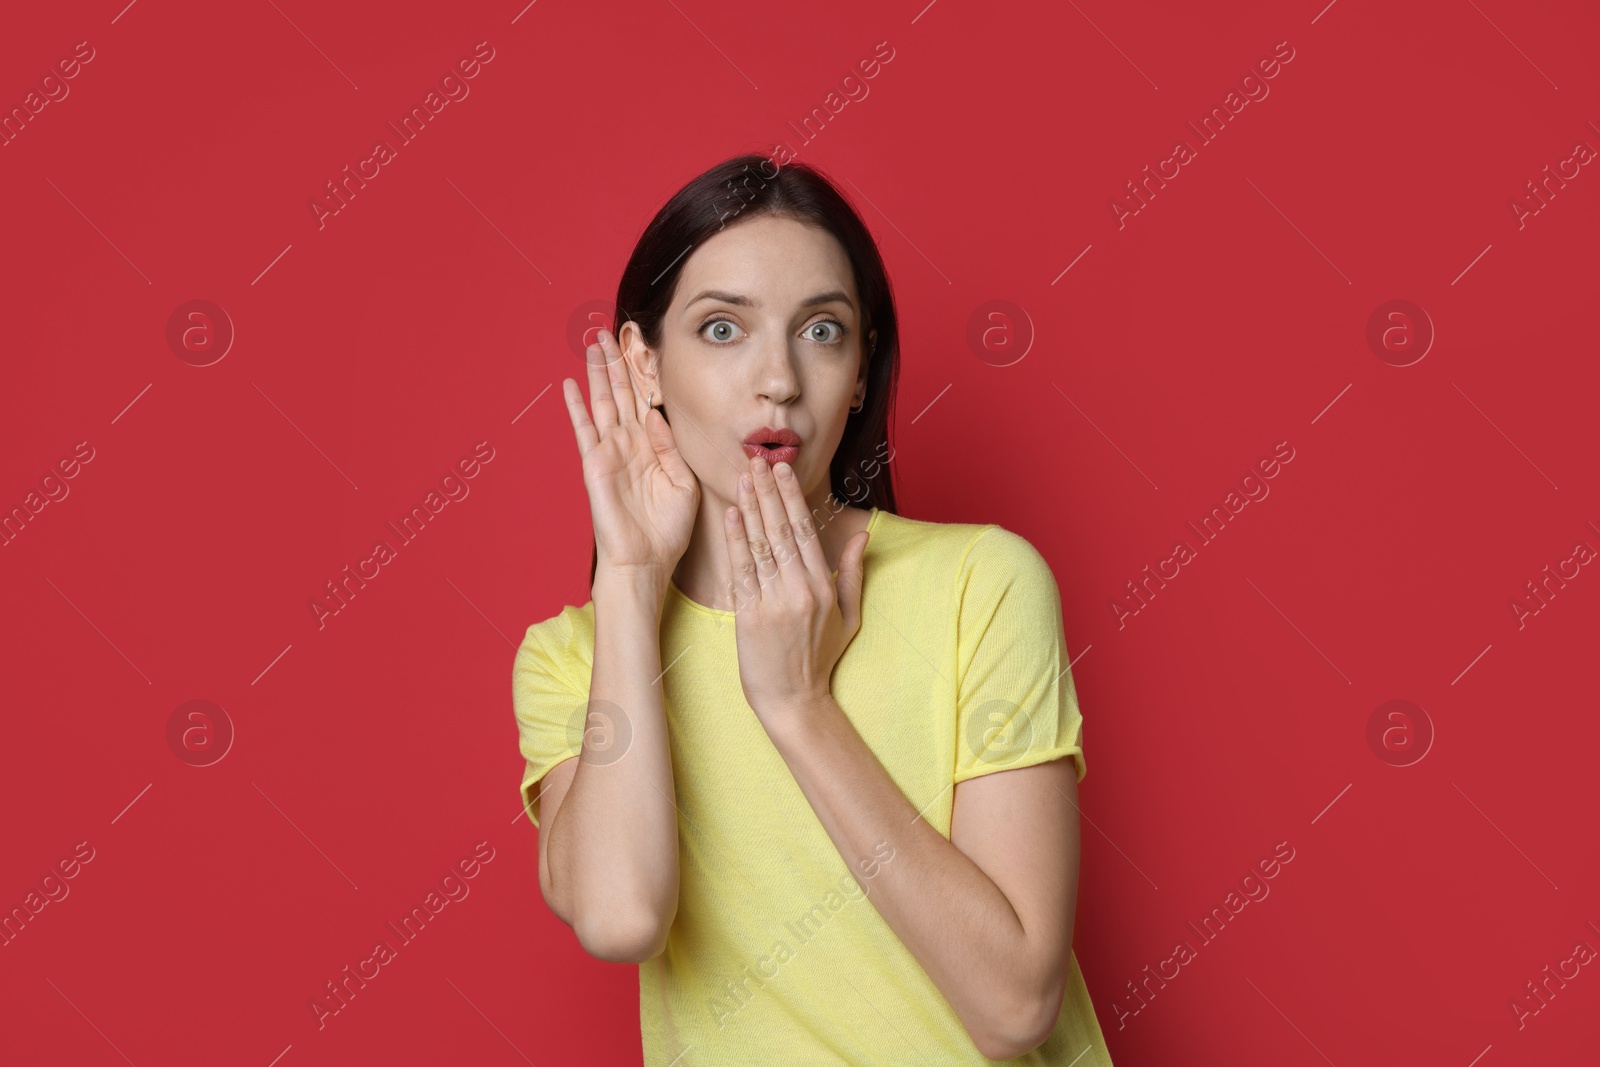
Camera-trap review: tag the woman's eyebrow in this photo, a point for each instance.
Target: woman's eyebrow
(740, 300)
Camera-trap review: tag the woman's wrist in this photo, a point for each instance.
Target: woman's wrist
(643, 584)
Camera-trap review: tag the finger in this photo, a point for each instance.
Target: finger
(805, 531)
(755, 532)
(618, 377)
(600, 398)
(743, 586)
(775, 517)
(666, 448)
(848, 588)
(582, 428)
(626, 396)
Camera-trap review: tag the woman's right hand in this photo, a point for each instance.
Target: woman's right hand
(642, 495)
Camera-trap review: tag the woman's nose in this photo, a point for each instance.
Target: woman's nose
(778, 380)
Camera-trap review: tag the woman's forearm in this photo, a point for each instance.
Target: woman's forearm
(613, 848)
(951, 915)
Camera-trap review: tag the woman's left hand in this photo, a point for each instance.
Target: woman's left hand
(792, 622)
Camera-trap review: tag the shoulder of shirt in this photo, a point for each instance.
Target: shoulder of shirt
(565, 638)
(976, 551)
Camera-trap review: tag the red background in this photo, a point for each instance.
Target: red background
(374, 752)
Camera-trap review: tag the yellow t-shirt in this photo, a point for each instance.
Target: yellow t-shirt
(959, 669)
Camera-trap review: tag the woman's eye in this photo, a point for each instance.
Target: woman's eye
(721, 330)
(837, 335)
(724, 331)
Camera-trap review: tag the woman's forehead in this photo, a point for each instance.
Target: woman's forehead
(769, 262)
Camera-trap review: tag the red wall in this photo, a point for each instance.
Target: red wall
(1243, 707)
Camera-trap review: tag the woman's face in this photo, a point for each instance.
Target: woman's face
(764, 332)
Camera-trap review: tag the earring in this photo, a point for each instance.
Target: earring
(858, 407)
(649, 401)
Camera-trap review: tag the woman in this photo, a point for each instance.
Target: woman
(779, 706)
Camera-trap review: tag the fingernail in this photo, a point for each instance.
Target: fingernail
(746, 484)
(602, 336)
(784, 471)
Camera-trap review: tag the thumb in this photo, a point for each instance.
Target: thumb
(848, 587)
(666, 447)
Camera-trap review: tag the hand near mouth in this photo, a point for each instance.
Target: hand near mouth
(792, 618)
(643, 496)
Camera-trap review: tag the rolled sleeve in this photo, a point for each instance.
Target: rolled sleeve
(550, 701)
(1016, 704)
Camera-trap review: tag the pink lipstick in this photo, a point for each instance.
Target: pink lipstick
(774, 446)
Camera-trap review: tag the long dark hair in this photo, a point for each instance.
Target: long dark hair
(750, 186)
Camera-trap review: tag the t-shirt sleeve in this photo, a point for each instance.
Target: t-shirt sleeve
(551, 700)
(1016, 705)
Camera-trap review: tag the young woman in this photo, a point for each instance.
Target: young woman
(811, 764)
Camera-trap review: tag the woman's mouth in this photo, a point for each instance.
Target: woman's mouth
(774, 446)
(773, 454)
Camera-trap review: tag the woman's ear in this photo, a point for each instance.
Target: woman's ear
(866, 362)
(643, 363)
